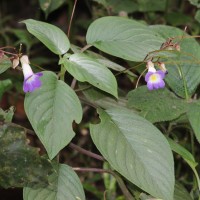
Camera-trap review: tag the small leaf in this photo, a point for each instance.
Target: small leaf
(194, 118)
(197, 16)
(187, 156)
(149, 5)
(5, 64)
(124, 38)
(4, 86)
(116, 6)
(136, 149)
(6, 116)
(195, 3)
(85, 68)
(51, 36)
(51, 111)
(64, 184)
(181, 193)
(20, 164)
(49, 6)
(156, 105)
(100, 98)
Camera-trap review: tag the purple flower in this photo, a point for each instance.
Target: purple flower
(154, 78)
(31, 80)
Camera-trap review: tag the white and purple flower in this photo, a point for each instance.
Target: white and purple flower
(154, 78)
(31, 80)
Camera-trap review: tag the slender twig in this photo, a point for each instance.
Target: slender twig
(7, 47)
(121, 183)
(85, 48)
(72, 15)
(86, 152)
(139, 78)
(73, 84)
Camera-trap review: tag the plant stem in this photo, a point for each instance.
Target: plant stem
(121, 183)
(85, 48)
(73, 84)
(86, 152)
(72, 15)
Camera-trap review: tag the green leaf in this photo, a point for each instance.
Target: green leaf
(4, 86)
(115, 66)
(184, 71)
(195, 3)
(193, 115)
(197, 16)
(20, 164)
(64, 184)
(25, 38)
(51, 36)
(104, 61)
(118, 5)
(6, 116)
(178, 18)
(85, 68)
(49, 6)
(157, 105)
(150, 6)
(136, 149)
(51, 111)
(100, 98)
(5, 64)
(181, 193)
(187, 156)
(124, 38)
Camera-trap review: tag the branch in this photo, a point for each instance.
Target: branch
(86, 152)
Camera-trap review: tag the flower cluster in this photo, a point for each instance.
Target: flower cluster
(155, 78)
(31, 80)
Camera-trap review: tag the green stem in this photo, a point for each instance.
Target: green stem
(62, 71)
(121, 183)
(192, 143)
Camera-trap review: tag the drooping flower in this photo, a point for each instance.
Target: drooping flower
(154, 78)
(31, 80)
(162, 67)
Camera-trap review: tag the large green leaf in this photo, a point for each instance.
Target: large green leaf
(85, 68)
(5, 64)
(187, 156)
(50, 35)
(156, 105)
(137, 150)
(194, 118)
(20, 164)
(124, 38)
(184, 71)
(64, 184)
(51, 111)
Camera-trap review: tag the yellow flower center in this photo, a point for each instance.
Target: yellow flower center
(153, 77)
